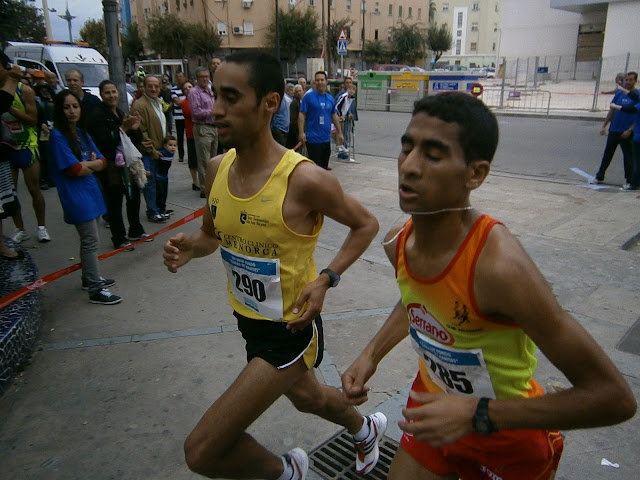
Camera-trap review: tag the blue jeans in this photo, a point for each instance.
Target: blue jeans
(149, 190)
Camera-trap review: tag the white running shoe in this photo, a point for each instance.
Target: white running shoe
(298, 459)
(20, 236)
(367, 451)
(43, 235)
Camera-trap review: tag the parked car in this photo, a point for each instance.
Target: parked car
(389, 67)
(491, 72)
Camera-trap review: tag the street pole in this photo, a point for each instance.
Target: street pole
(114, 54)
(364, 9)
(328, 51)
(277, 49)
(47, 20)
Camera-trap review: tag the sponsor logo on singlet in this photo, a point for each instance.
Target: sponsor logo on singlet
(424, 322)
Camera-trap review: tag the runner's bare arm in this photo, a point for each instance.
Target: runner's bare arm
(317, 191)
(181, 248)
(394, 330)
(599, 395)
(509, 286)
(30, 114)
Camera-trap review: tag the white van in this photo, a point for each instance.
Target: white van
(60, 57)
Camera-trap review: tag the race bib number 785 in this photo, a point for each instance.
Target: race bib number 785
(454, 370)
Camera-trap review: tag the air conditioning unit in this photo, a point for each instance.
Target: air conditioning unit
(292, 4)
(247, 3)
(376, 10)
(238, 30)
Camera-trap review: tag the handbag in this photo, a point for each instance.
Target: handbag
(133, 159)
(8, 142)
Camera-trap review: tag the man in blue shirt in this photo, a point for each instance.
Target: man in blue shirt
(317, 113)
(620, 132)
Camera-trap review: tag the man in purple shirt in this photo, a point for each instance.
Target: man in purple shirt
(205, 133)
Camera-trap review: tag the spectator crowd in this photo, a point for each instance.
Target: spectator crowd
(73, 140)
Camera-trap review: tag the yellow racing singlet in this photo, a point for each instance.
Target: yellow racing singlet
(26, 136)
(267, 263)
(461, 350)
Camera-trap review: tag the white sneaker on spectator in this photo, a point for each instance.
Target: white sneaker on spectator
(43, 235)
(20, 236)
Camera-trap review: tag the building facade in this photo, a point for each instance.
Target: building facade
(475, 28)
(245, 23)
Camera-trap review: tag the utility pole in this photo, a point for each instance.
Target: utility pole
(277, 50)
(47, 20)
(364, 9)
(116, 65)
(328, 51)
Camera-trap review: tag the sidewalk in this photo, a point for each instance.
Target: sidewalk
(114, 390)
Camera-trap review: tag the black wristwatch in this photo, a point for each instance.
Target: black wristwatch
(481, 421)
(334, 278)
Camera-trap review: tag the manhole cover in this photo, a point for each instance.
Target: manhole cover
(336, 458)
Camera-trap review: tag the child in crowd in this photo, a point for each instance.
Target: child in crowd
(167, 152)
(346, 106)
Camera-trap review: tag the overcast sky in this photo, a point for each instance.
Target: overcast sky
(83, 10)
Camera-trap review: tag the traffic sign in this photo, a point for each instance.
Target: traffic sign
(342, 35)
(342, 47)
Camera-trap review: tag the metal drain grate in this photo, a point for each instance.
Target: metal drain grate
(335, 459)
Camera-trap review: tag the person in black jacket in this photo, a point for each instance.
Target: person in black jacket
(104, 123)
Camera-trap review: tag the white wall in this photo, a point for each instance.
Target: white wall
(532, 27)
(623, 29)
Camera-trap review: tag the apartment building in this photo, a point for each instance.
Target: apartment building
(476, 30)
(245, 23)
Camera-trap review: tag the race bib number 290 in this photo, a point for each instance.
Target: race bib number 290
(255, 282)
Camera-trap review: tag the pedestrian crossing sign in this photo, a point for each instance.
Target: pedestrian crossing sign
(342, 47)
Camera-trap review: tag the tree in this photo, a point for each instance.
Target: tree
(20, 22)
(376, 52)
(203, 42)
(334, 33)
(94, 33)
(168, 35)
(407, 42)
(439, 40)
(299, 33)
(132, 46)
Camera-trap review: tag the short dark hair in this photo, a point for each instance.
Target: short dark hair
(321, 72)
(478, 125)
(168, 138)
(635, 75)
(104, 83)
(265, 72)
(76, 71)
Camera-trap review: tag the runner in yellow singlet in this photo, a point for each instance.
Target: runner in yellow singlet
(266, 206)
(475, 306)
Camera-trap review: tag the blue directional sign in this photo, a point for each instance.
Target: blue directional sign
(342, 47)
